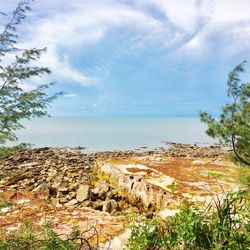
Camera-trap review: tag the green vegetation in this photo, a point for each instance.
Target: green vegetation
(224, 224)
(244, 177)
(8, 151)
(5, 203)
(42, 238)
(233, 125)
(16, 103)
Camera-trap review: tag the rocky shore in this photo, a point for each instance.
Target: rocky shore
(71, 185)
(63, 171)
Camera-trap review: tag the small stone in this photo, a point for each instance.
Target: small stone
(72, 202)
(28, 165)
(168, 212)
(83, 193)
(22, 201)
(98, 204)
(42, 187)
(71, 195)
(12, 228)
(198, 163)
(109, 205)
(87, 203)
(14, 179)
(5, 209)
(63, 200)
(62, 189)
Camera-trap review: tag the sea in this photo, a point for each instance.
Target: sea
(112, 133)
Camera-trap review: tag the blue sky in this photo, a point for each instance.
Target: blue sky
(138, 57)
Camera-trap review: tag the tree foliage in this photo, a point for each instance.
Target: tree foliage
(233, 125)
(15, 102)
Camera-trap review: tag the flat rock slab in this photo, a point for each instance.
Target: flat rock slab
(167, 182)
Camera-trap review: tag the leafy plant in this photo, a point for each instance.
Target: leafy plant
(144, 235)
(233, 125)
(8, 151)
(17, 104)
(186, 230)
(53, 241)
(224, 224)
(43, 238)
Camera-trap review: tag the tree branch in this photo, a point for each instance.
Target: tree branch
(236, 153)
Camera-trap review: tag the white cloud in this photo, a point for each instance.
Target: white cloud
(71, 25)
(230, 11)
(183, 15)
(205, 25)
(226, 29)
(187, 26)
(70, 95)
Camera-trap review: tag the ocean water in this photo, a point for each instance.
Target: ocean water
(101, 134)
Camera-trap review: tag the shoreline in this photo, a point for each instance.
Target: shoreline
(166, 145)
(70, 185)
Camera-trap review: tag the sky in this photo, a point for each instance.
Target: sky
(137, 57)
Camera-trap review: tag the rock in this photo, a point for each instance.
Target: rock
(118, 242)
(73, 202)
(63, 199)
(109, 205)
(168, 212)
(98, 205)
(83, 193)
(87, 203)
(101, 189)
(42, 187)
(22, 201)
(62, 189)
(5, 209)
(28, 165)
(198, 163)
(73, 186)
(14, 179)
(71, 195)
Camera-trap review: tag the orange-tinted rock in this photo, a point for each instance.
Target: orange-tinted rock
(165, 182)
(62, 218)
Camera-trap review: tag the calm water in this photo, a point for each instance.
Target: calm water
(98, 134)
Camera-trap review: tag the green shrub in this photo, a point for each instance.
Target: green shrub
(8, 151)
(224, 224)
(186, 229)
(42, 238)
(144, 235)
